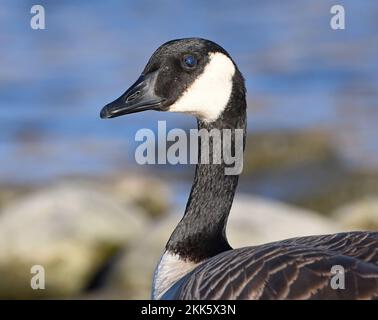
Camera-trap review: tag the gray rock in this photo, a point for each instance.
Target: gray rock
(71, 230)
(359, 215)
(151, 194)
(252, 221)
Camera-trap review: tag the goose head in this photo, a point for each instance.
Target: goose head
(192, 75)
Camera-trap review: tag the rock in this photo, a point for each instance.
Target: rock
(341, 186)
(131, 277)
(304, 167)
(149, 193)
(71, 230)
(359, 215)
(255, 220)
(252, 221)
(9, 193)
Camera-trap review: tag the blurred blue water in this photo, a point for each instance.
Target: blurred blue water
(300, 73)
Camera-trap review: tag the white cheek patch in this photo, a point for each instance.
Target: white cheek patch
(209, 94)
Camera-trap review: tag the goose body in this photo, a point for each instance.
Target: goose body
(298, 268)
(198, 77)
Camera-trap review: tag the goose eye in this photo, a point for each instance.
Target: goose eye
(190, 61)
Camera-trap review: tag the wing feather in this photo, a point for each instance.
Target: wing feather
(297, 268)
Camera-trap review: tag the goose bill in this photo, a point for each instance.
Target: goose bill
(139, 97)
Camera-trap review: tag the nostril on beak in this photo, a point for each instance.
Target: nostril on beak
(133, 96)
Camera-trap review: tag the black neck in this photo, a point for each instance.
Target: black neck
(201, 232)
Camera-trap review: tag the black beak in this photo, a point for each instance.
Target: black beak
(139, 97)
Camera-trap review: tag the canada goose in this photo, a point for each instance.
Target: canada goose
(198, 77)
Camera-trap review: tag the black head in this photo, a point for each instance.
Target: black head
(192, 75)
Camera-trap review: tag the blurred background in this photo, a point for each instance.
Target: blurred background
(72, 197)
